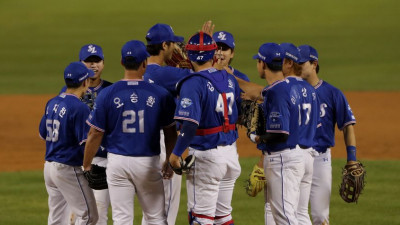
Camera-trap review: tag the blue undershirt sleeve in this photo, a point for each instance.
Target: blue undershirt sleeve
(186, 135)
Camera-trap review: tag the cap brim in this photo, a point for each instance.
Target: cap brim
(100, 56)
(178, 39)
(256, 56)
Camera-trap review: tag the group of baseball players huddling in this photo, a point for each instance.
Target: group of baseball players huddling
(139, 127)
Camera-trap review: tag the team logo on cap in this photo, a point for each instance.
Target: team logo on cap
(92, 49)
(222, 36)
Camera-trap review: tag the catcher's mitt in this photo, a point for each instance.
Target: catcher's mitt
(252, 117)
(256, 181)
(179, 57)
(352, 182)
(96, 177)
(186, 165)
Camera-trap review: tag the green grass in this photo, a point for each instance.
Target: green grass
(357, 40)
(24, 198)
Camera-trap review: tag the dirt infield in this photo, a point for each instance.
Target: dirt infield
(377, 129)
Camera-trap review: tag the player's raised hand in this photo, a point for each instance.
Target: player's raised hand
(208, 27)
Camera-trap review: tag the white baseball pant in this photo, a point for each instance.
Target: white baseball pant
(172, 189)
(321, 188)
(211, 181)
(283, 172)
(68, 189)
(127, 176)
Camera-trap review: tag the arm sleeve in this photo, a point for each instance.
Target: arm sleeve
(97, 118)
(42, 125)
(344, 115)
(189, 103)
(168, 114)
(81, 128)
(277, 113)
(42, 128)
(188, 132)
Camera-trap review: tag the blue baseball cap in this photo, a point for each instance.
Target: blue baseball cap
(307, 53)
(135, 49)
(77, 72)
(201, 47)
(268, 52)
(291, 52)
(91, 50)
(160, 33)
(224, 37)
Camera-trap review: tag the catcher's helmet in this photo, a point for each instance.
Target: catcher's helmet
(201, 47)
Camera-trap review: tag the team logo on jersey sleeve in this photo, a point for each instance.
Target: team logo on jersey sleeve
(230, 84)
(186, 102)
(150, 101)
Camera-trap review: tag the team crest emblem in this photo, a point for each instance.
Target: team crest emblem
(92, 49)
(222, 36)
(186, 102)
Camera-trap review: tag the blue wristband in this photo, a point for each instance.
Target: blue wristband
(351, 153)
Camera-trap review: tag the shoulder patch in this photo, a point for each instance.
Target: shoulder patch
(186, 102)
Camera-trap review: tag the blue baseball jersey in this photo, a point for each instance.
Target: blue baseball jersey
(131, 114)
(308, 109)
(239, 74)
(64, 129)
(290, 107)
(165, 76)
(89, 98)
(334, 109)
(201, 101)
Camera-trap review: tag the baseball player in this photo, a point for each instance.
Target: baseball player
(334, 109)
(160, 45)
(226, 52)
(292, 68)
(92, 56)
(289, 115)
(64, 129)
(208, 111)
(129, 115)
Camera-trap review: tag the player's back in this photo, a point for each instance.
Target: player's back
(64, 129)
(281, 114)
(202, 102)
(334, 109)
(308, 111)
(165, 76)
(132, 112)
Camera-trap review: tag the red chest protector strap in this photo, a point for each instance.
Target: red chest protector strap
(226, 127)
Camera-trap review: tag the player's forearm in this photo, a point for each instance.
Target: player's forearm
(350, 141)
(252, 90)
(349, 135)
(170, 139)
(92, 145)
(188, 132)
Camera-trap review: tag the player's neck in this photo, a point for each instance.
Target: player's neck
(156, 59)
(273, 77)
(313, 80)
(78, 92)
(198, 67)
(95, 82)
(133, 74)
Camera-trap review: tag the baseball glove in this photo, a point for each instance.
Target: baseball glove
(179, 57)
(96, 177)
(186, 165)
(352, 182)
(256, 181)
(252, 117)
